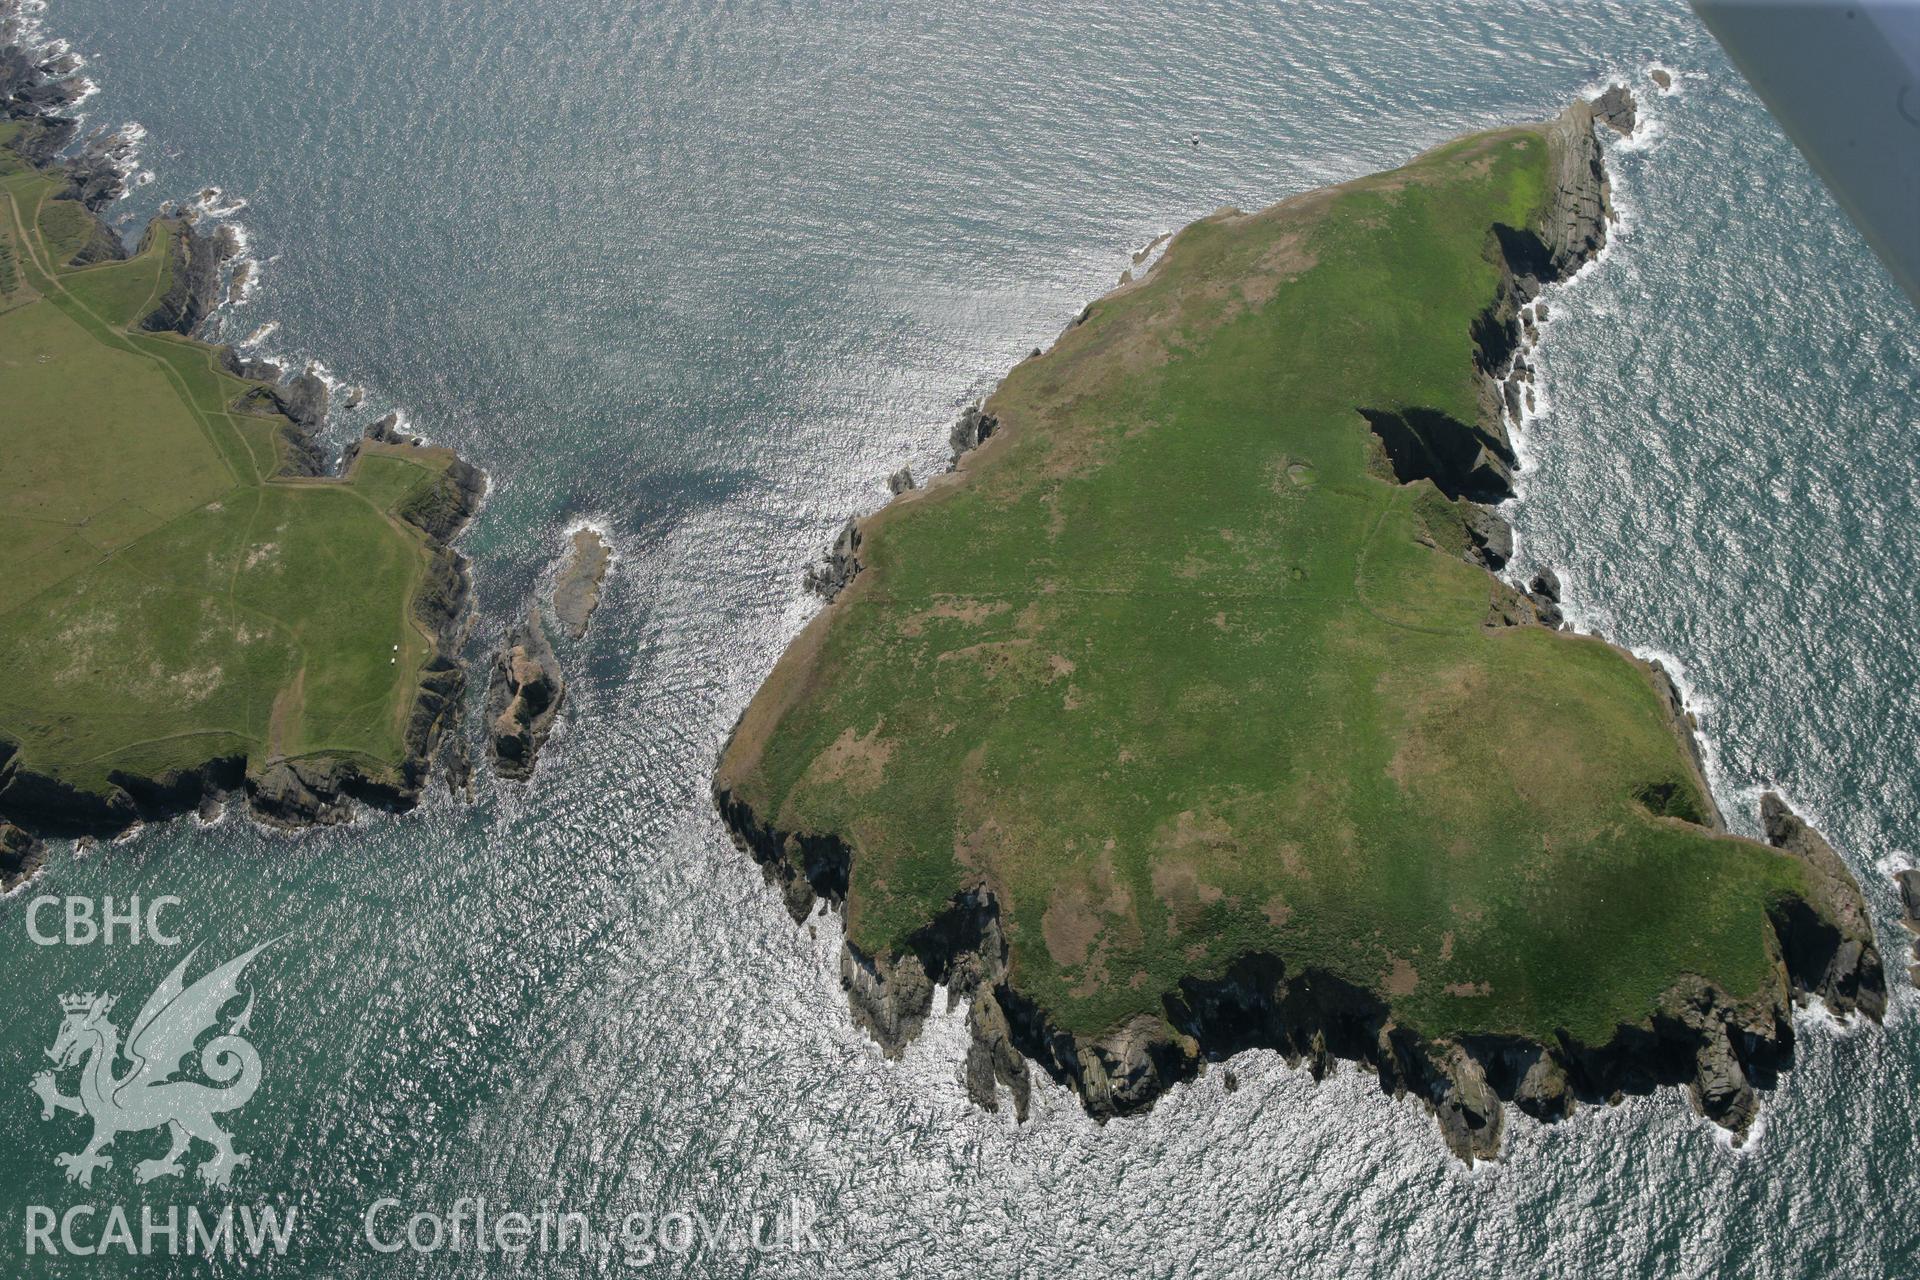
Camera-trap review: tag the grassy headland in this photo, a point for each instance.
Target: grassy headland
(168, 596)
(1176, 673)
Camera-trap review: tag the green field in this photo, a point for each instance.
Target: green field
(1177, 670)
(165, 597)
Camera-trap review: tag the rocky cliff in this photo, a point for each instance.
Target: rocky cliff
(20, 855)
(524, 694)
(196, 283)
(1722, 1051)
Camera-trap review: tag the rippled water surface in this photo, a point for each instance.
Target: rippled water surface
(707, 273)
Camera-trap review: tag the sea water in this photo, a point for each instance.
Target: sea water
(705, 274)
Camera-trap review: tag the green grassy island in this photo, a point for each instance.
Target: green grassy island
(1184, 715)
(187, 608)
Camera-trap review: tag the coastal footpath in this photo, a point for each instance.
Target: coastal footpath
(1187, 715)
(196, 607)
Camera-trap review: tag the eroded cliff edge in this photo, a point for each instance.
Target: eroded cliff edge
(1724, 1049)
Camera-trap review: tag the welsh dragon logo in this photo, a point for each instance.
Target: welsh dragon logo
(148, 1095)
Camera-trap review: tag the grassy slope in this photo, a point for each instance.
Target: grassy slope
(161, 599)
(1166, 666)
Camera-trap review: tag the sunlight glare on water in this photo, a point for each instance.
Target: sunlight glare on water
(708, 273)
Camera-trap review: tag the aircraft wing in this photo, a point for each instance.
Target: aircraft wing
(1843, 79)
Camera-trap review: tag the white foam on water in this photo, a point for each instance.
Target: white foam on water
(1814, 1015)
(213, 202)
(600, 525)
(1732, 1144)
(328, 378)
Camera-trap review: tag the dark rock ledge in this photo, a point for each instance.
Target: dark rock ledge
(524, 695)
(20, 855)
(1724, 1051)
(281, 792)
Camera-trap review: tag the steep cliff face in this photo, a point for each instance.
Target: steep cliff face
(195, 284)
(1475, 461)
(324, 790)
(308, 791)
(1723, 1051)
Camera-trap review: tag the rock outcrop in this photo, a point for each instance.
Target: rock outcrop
(301, 403)
(102, 246)
(524, 695)
(1908, 883)
(323, 790)
(1829, 945)
(195, 285)
(247, 367)
(1617, 109)
(828, 576)
(20, 856)
(1544, 591)
(1718, 1049)
(576, 591)
(973, 429)
(992, 1060)
(1475, 462)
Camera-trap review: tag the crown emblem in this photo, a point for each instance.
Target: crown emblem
(84, 1003)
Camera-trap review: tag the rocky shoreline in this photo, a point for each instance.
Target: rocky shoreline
(286, 793)
(1721, 1049)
